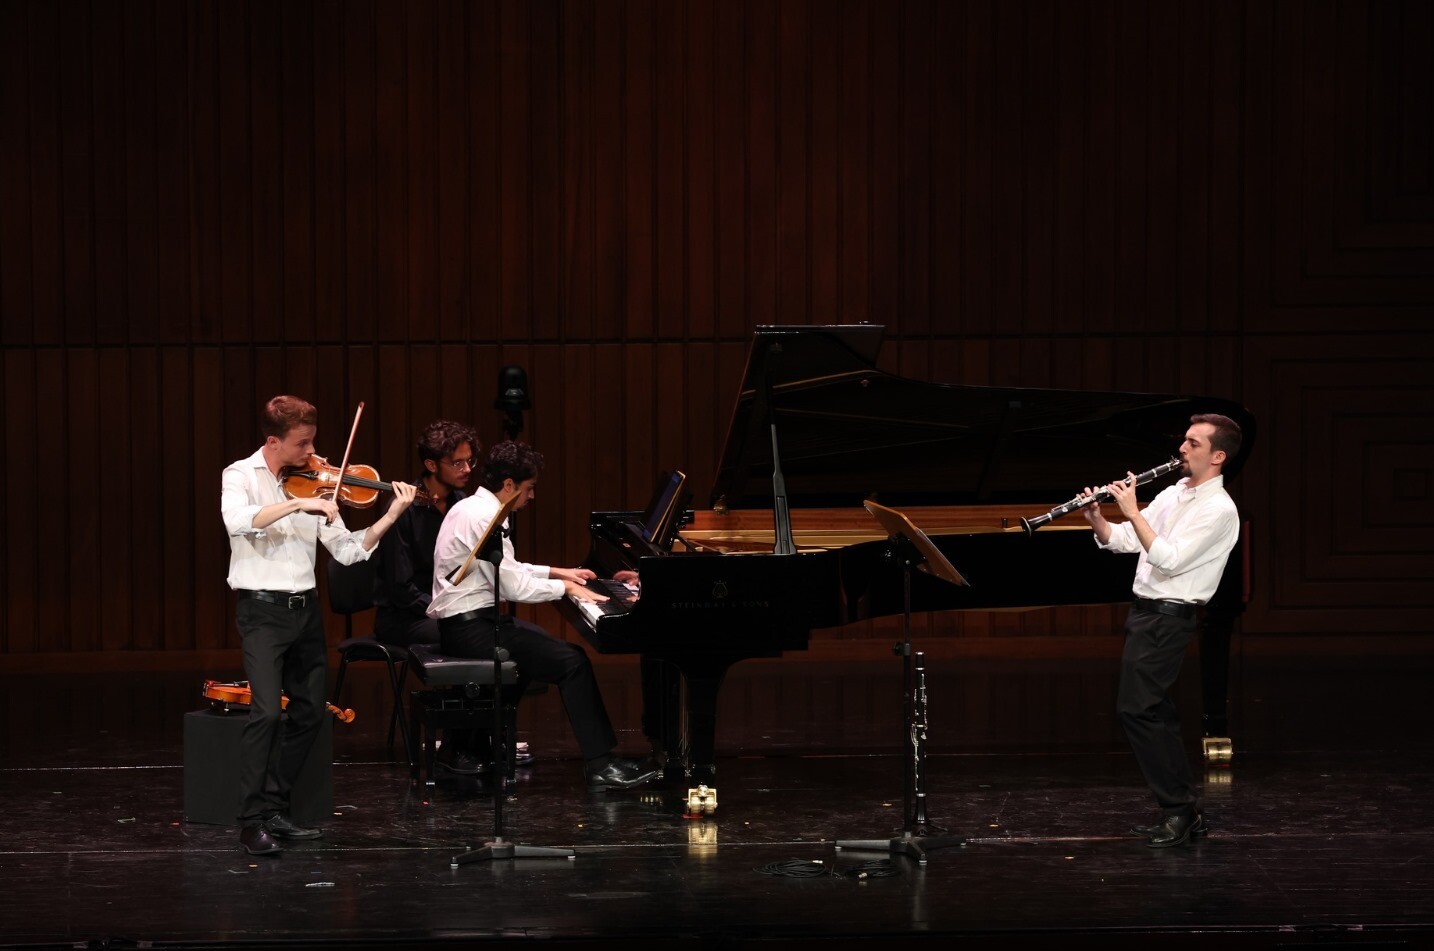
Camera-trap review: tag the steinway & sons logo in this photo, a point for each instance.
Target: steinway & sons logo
(721, 600)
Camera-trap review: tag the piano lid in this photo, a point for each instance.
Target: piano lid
(848, 431)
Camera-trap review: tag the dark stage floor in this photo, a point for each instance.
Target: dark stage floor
(1318, 834)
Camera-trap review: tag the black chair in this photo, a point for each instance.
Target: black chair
(351, 591)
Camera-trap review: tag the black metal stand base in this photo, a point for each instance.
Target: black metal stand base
(910, 844)
(498, 850)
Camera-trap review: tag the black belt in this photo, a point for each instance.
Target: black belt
(466, 616)
(293, 600)
(1173, 608)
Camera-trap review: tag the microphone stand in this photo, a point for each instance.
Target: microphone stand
(490, 549)
(919, 835)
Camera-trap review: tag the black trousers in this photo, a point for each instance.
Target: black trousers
(1154, 650)
(401, 629)
(544, 659)
(283, 653)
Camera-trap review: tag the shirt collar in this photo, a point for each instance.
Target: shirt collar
(1203, 488)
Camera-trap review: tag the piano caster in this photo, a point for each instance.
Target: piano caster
(1218, 750)
(701, 802)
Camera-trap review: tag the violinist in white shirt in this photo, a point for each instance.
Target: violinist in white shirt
(273, 546)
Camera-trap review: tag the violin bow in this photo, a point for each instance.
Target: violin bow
(344, 466)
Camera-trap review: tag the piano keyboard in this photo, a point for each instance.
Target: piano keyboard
(620, 599)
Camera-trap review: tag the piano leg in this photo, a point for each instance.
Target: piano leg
(1215, 637)
(1216, 632)
(702, 725)
(702, 680)
(662, 720)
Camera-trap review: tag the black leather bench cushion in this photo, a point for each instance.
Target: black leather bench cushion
(439, 670)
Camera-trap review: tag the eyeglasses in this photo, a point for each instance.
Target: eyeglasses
(468, 463)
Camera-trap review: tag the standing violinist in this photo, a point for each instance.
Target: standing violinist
(273, 546)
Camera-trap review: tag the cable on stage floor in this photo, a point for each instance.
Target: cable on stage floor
(881, 868)
(807, 868)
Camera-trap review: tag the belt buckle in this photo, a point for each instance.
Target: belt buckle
(302, 599)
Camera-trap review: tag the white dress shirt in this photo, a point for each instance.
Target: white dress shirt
(464, 524)
(280, 556)
(1195, 529)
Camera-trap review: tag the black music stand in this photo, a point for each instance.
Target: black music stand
(920, 834)
(490, 549)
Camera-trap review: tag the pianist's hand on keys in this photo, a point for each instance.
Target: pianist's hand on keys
(618, 597)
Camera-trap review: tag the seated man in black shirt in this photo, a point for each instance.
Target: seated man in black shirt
(447, 453)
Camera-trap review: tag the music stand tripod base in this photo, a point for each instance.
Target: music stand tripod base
(498, 850)
(909, 844)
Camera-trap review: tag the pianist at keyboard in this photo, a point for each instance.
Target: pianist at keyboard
(465, 611)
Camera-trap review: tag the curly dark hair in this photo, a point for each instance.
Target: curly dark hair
(284, 413)
(510, 460)
(442, 437)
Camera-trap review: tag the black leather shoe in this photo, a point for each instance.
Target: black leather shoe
(1198, 830)
(1175, 830)
(282, 827)
(464, 764)
(620, 774)
(256, 841)
(521, 758)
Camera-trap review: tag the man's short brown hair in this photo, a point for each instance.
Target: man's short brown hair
(1227, 434)
(284, 413)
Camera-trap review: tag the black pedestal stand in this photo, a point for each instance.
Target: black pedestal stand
(490, 549)
(919, 835)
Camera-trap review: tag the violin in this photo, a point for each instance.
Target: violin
(360, 486)
(239, 694)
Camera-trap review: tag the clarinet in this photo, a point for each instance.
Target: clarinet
(1099, 495)
(918, 741)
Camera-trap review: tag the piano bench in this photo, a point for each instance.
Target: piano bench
(459, 696)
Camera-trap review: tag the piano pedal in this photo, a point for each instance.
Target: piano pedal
(1217, 750)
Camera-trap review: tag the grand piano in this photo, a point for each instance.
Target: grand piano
(786, 546)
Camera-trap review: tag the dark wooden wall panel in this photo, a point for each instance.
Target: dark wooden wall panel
(208, 203)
